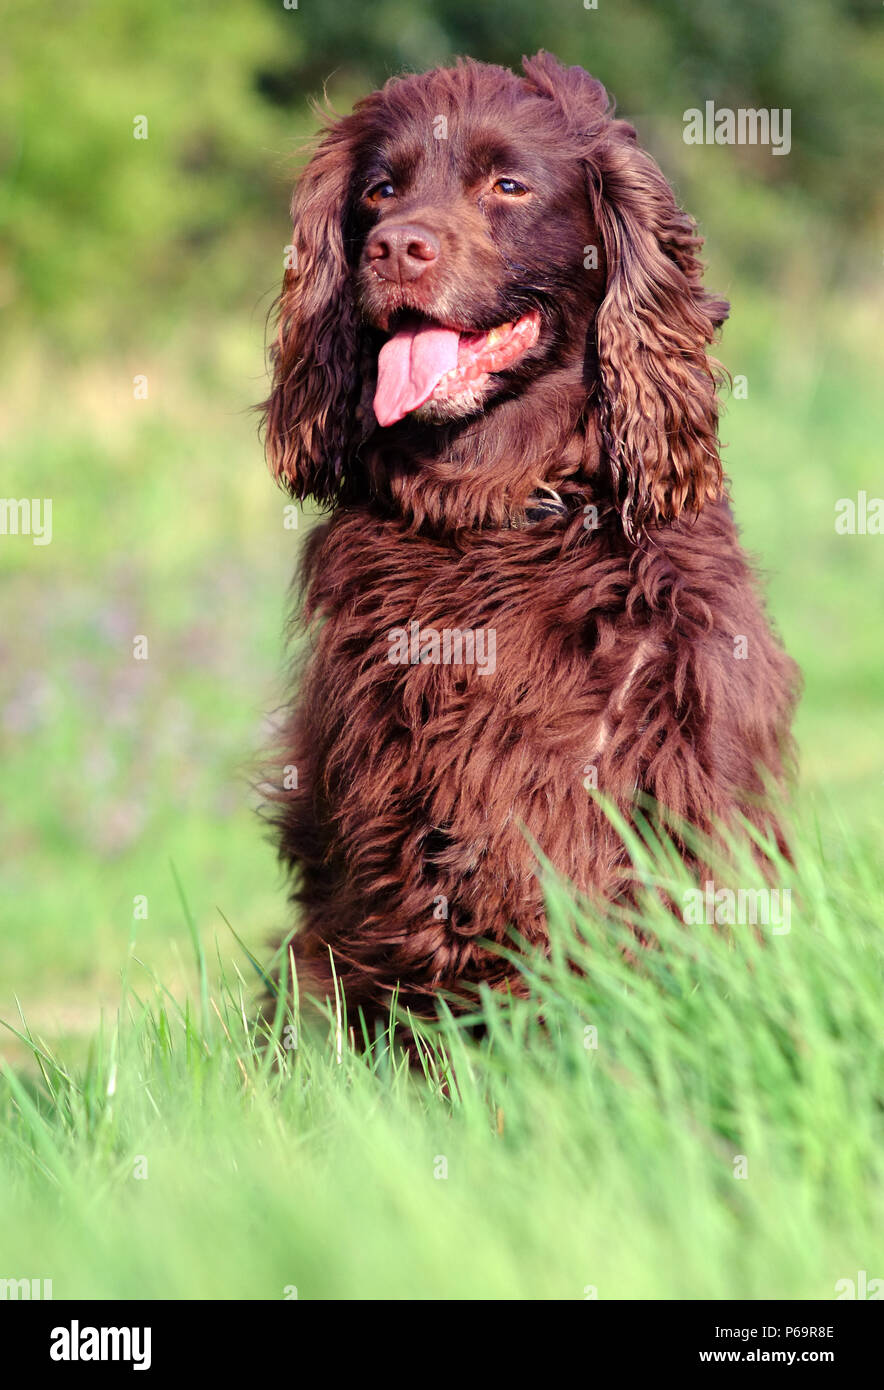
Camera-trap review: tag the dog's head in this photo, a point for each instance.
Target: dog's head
(469, 237)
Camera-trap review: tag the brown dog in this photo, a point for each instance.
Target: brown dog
(491, 368)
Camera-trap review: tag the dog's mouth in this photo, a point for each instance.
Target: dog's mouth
(425, 361)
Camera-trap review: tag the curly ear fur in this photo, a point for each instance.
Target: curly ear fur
(315, 357)
(658, 409)
(656, 399)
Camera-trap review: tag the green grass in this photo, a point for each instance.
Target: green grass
(706, 1122)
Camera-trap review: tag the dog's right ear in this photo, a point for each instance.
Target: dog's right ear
(309, 416)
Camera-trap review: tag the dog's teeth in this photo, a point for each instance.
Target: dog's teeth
(496, 334)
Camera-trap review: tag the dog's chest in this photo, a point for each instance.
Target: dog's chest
(497, 633)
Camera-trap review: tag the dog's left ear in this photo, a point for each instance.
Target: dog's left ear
(658, 408)
(657, 404)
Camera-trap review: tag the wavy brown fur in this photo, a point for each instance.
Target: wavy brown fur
(421, 786)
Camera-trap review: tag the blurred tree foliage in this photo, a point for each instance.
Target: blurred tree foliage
(106, 235)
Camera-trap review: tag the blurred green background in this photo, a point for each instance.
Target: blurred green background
(160, 257)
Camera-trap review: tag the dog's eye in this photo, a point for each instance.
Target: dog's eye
(510, 188)
(379, 191)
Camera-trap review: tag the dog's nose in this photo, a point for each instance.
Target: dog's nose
(401, 253)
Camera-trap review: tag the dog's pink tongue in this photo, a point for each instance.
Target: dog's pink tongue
(409, 366)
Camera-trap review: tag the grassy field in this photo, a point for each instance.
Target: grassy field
(568, 1167)
(705, 1125)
